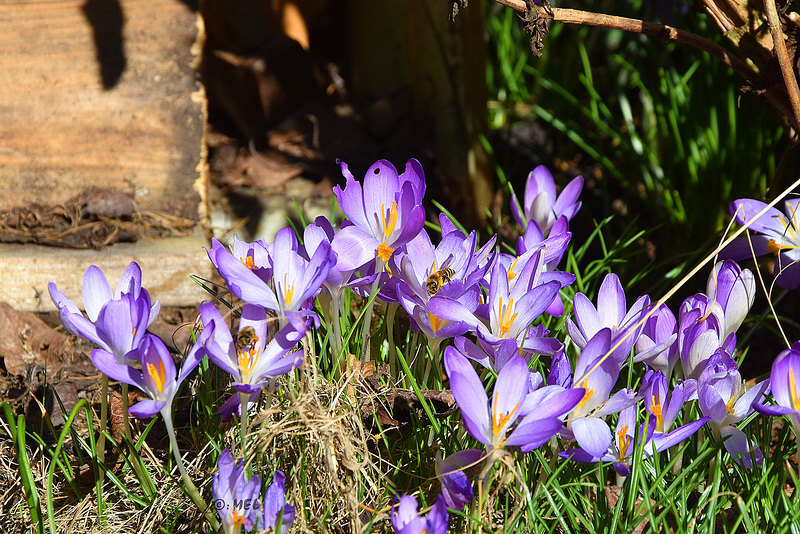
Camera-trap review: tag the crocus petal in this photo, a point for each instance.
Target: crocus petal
(787, 272)
(354, 247)
(146, 408)
(611, 301)
(196, 354)
(61, 301)
(775, 411)
(107, 364)
(437, 520)
(130, 281)
(747, 246)
(592, 434)
(662, 442)
(560, 403)
(579, 455)
(622, 469)
(509, 392)
(744, 406)
(242, 282)
(469, 394)
(96, 291)
(738, 446)
(530, 435)
(746, 210)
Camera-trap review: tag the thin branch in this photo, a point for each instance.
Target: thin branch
(779, 47)
(660, 31)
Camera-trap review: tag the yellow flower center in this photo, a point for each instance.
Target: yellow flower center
(248, 262)
(793, 390)
(506, 318)
(157, 374)
(499, 420)
(656, 410)
(586, 396)
(288, 292)
(511, 274)
(775, 247)
(238, 519)
(623, 441)
(248, 357)
(388, 226)
(384, 251)
(730, 404)
(436, 323)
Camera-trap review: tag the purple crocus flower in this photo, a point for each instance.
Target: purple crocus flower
(701, 326)
(734, 289)
(556, 243)
(777, 235)
(722, 398)
(560, 370)
(406, 518)
(510, 308)
(783, 378)
(386, 212)
(657, 345)
(453, 269)
(551, 251)
(505, 422)
(456, 486)
(236, 498)
(542, 204)
(275, 506)
(611, 312)
(249, 359)
(158, 377)
(117, 320)
(597, 375)
(295, 279)
(621, 449)
(660, 403)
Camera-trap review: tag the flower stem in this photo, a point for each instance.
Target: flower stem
(188, 486)
(365, 331)
(244, 398)
(336, 339)
(391, 311)
(101, 439)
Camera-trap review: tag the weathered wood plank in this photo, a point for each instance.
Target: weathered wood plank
(25, 270)
(106, 105)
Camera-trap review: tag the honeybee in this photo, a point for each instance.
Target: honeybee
(439, 277)
(247, 336)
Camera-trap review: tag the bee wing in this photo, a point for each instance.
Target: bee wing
(446, 263)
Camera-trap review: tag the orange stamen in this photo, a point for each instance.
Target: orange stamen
(656, 410)
(506, 319)
(793, 390)
(248, 262)
(511, 274)
(586, 397)
(384, 251)
(624, 441)
(238, 520)
(500, 420)
(158, 375)
(730, 404)
(388, 226)
(436, 323)
(288, 292)
(247, 360)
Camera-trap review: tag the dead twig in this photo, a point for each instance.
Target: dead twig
(660, 31)
(782, 55)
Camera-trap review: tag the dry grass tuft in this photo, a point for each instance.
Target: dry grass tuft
(318, 433)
